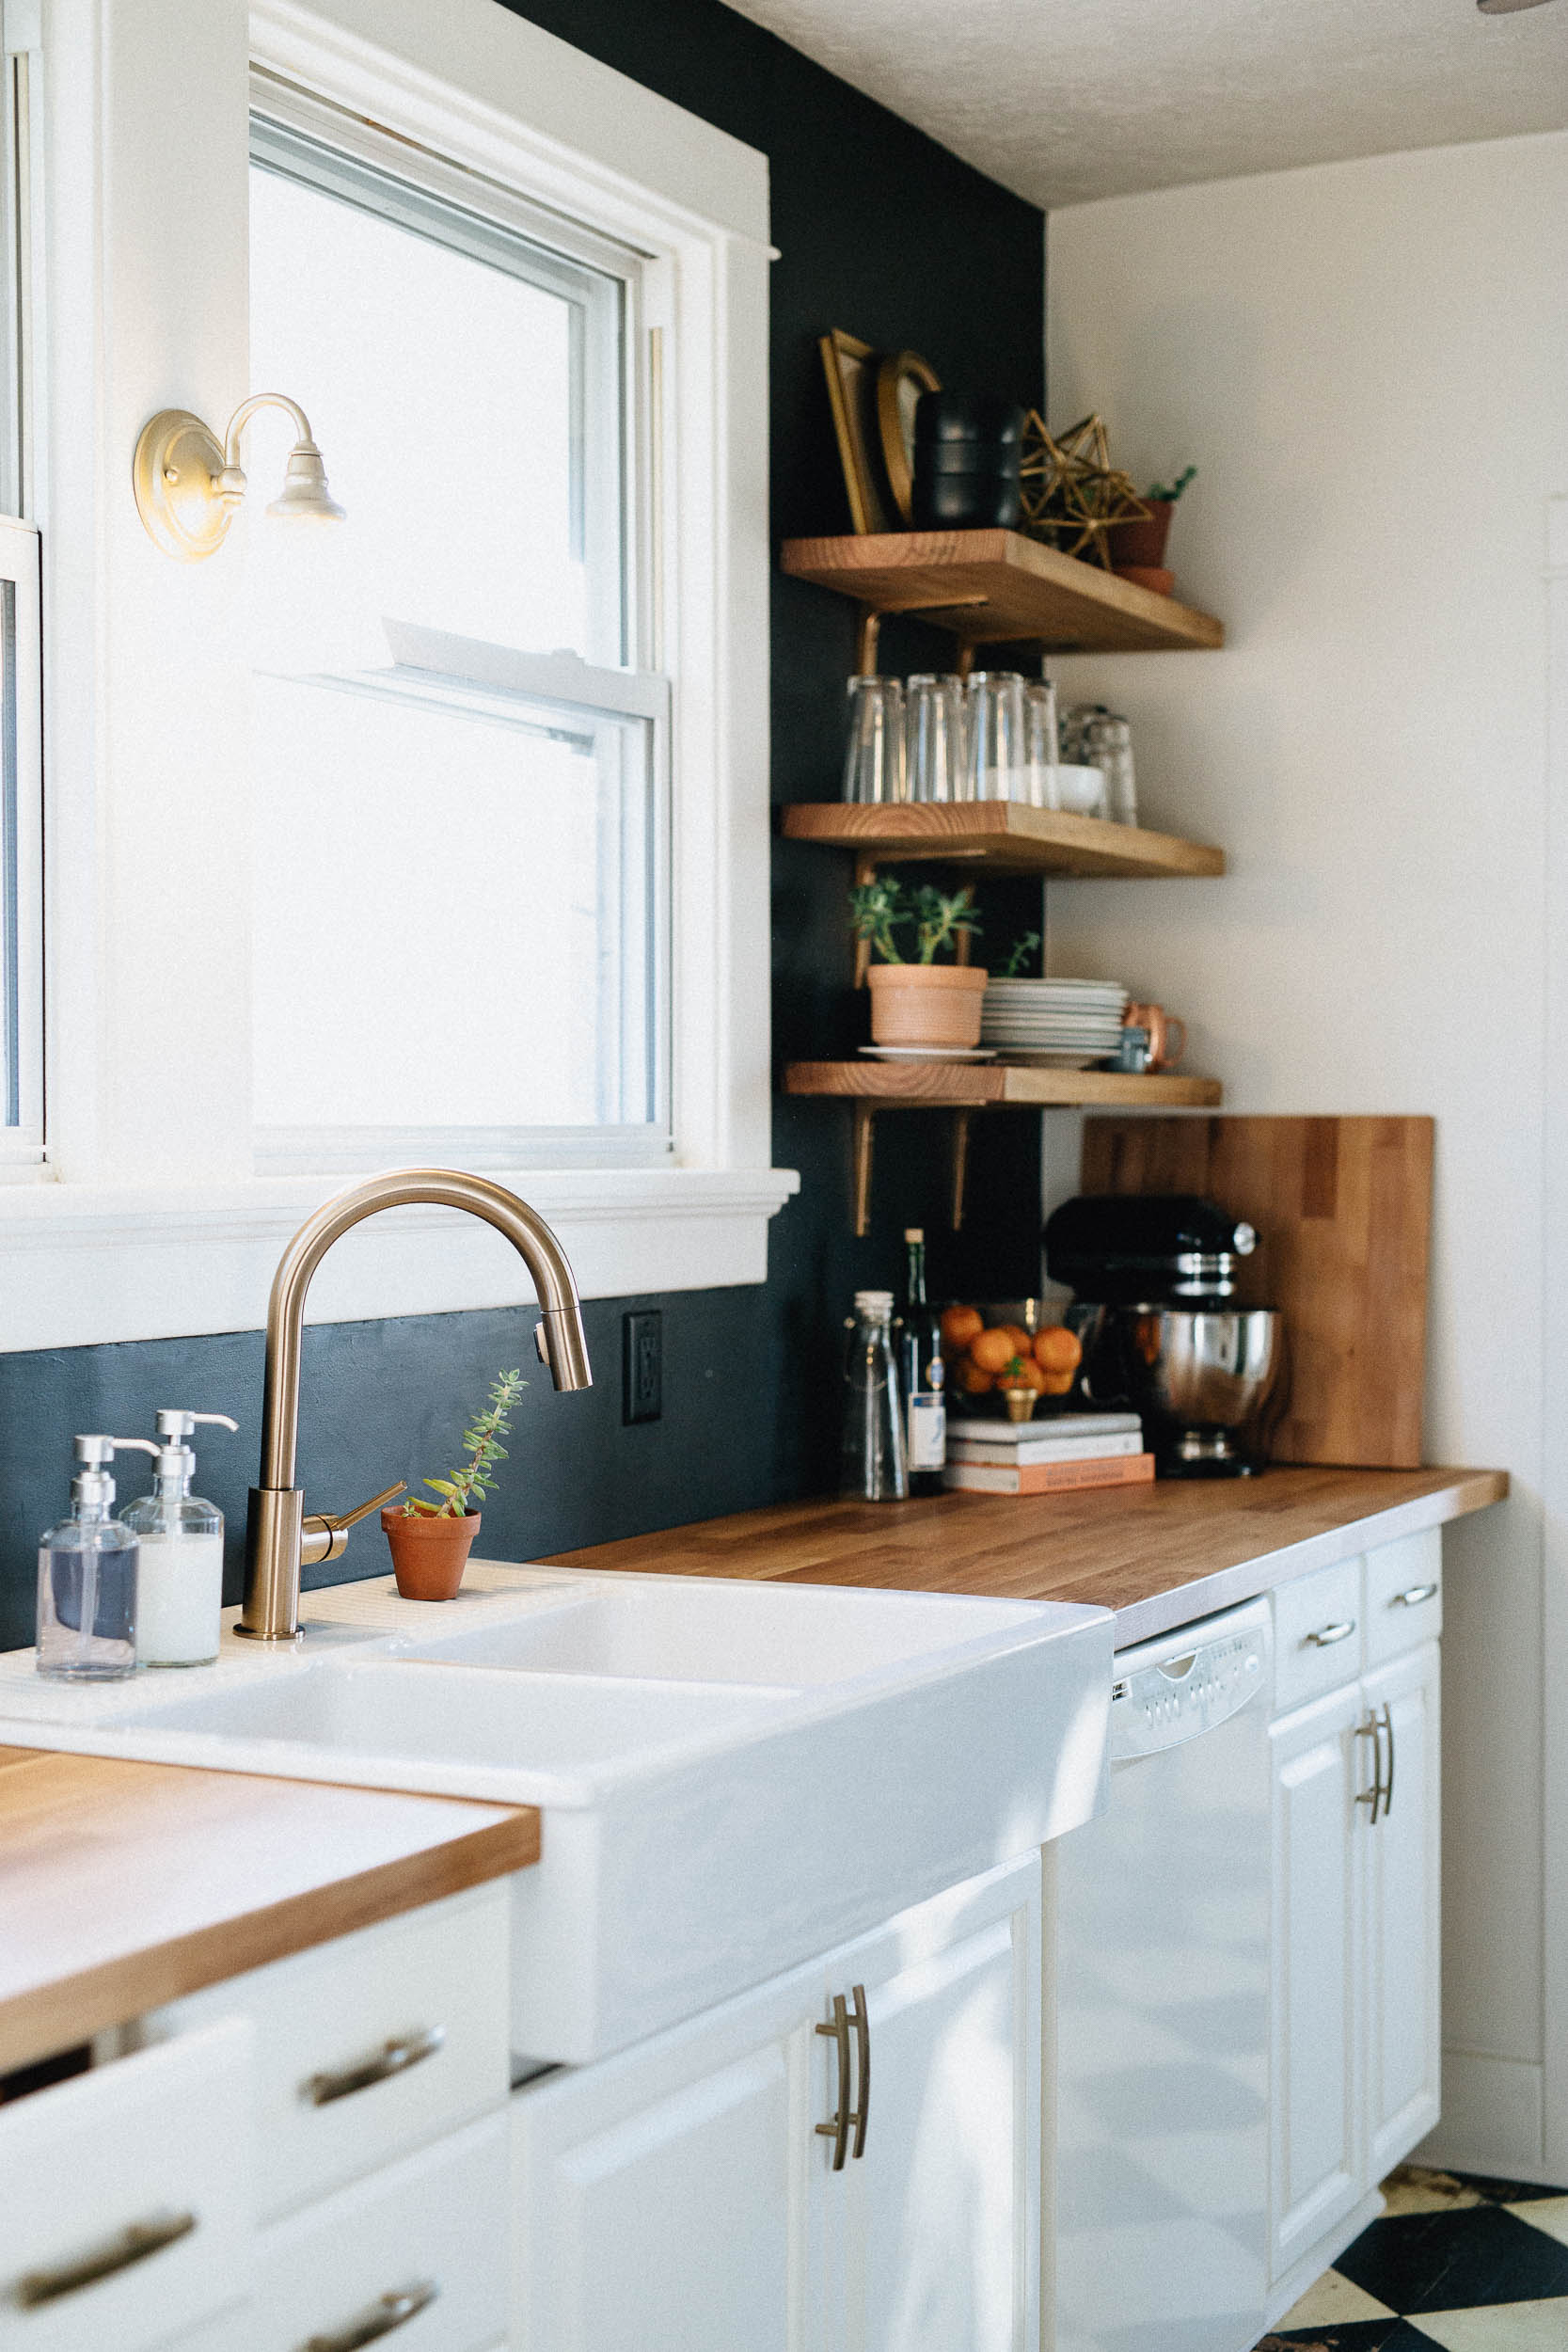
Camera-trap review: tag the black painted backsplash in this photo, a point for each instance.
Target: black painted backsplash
(884, 233)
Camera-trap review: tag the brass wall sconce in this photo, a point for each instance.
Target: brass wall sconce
(189, 487)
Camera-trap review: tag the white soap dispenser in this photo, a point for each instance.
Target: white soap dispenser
(86, 1610)
(180, 1610)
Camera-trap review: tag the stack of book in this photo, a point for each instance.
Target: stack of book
(1039, 1457)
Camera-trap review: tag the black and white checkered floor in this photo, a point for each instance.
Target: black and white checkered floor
(1469, 2265)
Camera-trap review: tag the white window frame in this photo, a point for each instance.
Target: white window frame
(151, 1219)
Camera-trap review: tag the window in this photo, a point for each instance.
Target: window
(446, 722)
(21, 741)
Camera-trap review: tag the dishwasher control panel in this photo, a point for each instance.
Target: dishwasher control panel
(1176, 1688)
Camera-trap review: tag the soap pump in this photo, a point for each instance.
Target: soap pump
(87, 1609)
(179, 1613)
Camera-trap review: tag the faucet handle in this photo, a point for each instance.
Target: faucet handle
(325, 1534)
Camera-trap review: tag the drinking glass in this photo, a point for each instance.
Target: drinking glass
(998, 758)
(1108, 746)
(1039, 726)
(873, 768)
(934, 737)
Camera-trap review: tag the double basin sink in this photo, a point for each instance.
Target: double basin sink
(732, 1775)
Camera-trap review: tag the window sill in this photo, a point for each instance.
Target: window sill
(81, 1264)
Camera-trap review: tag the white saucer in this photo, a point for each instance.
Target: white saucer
(930, 1053)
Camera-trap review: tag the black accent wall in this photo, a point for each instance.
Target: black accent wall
(882, 232)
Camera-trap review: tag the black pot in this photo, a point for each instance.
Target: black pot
(984, 498)
(969, 421)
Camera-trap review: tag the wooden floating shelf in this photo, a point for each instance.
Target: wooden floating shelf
(996, 587)
(985, 1085)
(1001, 836)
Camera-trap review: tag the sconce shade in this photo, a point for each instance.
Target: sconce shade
(304, 495)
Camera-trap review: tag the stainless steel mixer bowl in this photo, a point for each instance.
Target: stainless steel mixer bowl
(1186, 1369)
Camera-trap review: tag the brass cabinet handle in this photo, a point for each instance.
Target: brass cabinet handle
(863, 2049)
(1373, 1729)
(1326, 1635)
(132, 2245)
(393, 2058)
(1412, 1598)
(377, 2319)
(838, 2130)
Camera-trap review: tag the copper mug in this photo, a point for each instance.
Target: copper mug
(1167, 1036)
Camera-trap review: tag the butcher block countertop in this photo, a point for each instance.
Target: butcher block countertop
(123, 1885)
(1158, 1555)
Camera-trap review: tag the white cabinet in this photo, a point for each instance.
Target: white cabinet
(686, 2194)
(1355, 2062)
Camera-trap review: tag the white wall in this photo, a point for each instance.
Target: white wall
(1369, 363)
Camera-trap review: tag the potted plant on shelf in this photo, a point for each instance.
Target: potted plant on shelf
(431, 1541)
(920, 1003)
(1137, 548)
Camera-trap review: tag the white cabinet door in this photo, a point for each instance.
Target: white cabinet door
(934, 2233)
(1315, 2072)
(1404, 2034)
(666, 2200)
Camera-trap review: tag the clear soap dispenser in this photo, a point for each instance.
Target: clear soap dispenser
(87, 1615)
(180, 1610)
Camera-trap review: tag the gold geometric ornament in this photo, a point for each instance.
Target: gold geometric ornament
(1072, 492)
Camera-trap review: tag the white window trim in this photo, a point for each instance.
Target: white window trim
(151, 1221)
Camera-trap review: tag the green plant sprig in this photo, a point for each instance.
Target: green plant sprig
(880, 908)
(1166, 493)
(1019, 955)
(471, 1479)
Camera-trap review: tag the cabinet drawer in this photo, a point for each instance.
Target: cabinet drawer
(1317, 1633)
(370, 2045)
(1403, 1595)
(429, 2233)
(158, 2145)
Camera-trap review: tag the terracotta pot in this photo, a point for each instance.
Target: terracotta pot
(926, 1003)
(1156, 580)
(429, 1555)
(1142, 542)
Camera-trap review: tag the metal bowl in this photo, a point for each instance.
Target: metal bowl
(1201, 1377)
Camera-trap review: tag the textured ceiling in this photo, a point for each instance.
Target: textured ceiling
(1065, 100)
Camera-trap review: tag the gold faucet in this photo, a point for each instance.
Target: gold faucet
(280, 1539)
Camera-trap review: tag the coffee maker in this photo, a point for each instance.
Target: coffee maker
(1154, 1277)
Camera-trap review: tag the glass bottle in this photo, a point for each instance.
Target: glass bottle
(921, 1370)
(180, 1604)
(86, 1607)
(872, 1464)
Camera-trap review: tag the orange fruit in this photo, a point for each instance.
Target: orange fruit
(1057, 1349)
(960, 1324)
(1054, 1383)
(969, 1376)
(994, 1351)
(1022, 1338)
(1028, 1375)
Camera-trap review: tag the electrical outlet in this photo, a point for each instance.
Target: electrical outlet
(643, 1366)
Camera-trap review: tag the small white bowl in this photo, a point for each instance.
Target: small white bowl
(1080, 791)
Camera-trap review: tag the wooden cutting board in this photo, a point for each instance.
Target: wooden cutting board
(1343, 1212)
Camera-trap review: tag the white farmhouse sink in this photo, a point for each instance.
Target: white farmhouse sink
(732, 1775)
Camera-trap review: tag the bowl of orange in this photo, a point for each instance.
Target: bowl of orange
(1010, 1359)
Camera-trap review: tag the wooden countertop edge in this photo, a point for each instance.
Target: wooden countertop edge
(35, 2019)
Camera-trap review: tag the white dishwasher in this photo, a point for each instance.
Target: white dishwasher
(1162, 2057)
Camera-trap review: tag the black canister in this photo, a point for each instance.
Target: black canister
(967, 456)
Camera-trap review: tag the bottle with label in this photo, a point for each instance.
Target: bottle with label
(87, 1609)
(180, 1610)
(872, 1467)
(921, 1365)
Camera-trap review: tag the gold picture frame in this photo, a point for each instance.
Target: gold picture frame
(851, 367)
(901, 377)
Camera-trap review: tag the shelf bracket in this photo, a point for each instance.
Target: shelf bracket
(865, 871)
(866, 638)
(960, 1164)
(864, 1134)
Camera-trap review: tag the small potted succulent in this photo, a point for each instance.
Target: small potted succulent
(919, 1001)
(431, 1541)
(1137, 548)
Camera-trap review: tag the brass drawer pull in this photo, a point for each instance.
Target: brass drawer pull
(132, 2245)
(862, 2048)
(1373, 1729)
(1414, 1597)
(838, 2130)
(378, 2319)
(1326, 1635)
(1388, 1784)
(393, 2058)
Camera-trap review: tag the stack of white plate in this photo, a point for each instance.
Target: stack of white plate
(1053, 1025)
